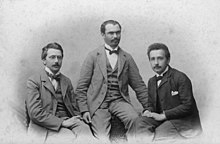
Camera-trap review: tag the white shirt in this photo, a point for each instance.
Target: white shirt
(159, 81)
(113, 57)
(54, 82)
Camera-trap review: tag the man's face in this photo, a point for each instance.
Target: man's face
(158, 61)
(53, 60)
(112, 35)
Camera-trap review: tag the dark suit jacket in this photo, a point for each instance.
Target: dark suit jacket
(92, 85)
(41, 104)
(177, 101)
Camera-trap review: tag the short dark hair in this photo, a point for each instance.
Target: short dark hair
(102, 29)
(158, 46)
(50, 46)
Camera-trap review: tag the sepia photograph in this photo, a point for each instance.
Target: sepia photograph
(109, 72)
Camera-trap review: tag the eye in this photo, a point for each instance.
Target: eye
(111, 33)
(160, 58)
(152, 59)
(52, 57)
(118, 33)
(59, 57)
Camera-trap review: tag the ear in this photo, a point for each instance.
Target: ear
(103, 34)
(168, 61)
(44, 62)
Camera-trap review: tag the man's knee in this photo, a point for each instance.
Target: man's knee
(82, 128)
(124, 111)
(143, 123)
(133, 116)
(166, 131)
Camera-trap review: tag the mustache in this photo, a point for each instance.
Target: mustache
(56, 64)
(115, 39)
(157, 66)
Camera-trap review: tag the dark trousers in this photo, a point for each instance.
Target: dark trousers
(148, 129)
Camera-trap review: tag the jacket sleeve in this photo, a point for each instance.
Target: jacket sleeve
(150, 98)
(137, 84)
(35, 110)
(184, 88)
(84, 82)
(75, 106)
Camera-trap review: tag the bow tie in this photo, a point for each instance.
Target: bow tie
(53, 77)
(159, 78)
(113, 51)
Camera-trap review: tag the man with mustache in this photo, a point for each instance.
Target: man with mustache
(102, 89)
(172, 112)
(51, 104)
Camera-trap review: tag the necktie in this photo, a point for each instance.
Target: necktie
(113, 51)
(54, 77)
(159, 78)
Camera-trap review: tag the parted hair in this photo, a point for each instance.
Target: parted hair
(50, 46)
(158, 46)
(102, 29)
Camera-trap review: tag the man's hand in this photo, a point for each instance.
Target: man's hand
(158, 117)
(69, 122)
(146, 113)
(87, 117)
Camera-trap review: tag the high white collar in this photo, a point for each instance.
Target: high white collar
(162, 72)
(108, 47)
(50, 72)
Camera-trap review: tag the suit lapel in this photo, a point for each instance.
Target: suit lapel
(154, 89)
(46, 82)
(165, 78)
(163, 81)
(102, 58)
(121, 61)
(102, 61)
(63, 85)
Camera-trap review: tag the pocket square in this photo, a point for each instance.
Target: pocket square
(173, 93)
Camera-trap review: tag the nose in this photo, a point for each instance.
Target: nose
(115, 35)
(56, 59)
(156, 62)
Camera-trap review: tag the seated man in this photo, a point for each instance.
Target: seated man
(172, 112)
(51, 103)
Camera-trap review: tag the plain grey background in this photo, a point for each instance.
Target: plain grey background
(189, 28)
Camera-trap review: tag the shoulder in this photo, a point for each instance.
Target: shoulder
(92, 55)
(34, 80)
(35, 77)
(126, 54)
(179, 75)
(151, 80)
(96, 51)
